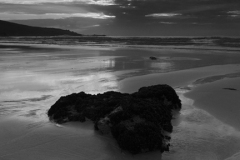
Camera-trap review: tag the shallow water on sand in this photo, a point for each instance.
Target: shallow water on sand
(32, 78)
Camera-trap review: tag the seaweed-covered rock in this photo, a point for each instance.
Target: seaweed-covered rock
(153, 58)
(139, 121)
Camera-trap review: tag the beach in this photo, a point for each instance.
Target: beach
(33, 77)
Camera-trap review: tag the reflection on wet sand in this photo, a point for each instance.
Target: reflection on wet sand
(163, 66)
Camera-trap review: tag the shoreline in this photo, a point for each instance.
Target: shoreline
(196, 80)
(116, 46)
(221, 102)
(176, 79)
(220, 98)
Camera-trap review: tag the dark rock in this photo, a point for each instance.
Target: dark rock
(153, 58)
(138, 121)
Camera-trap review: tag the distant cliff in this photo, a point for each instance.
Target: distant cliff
(14, 29)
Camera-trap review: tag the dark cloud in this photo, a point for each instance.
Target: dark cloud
(158, 17)
(197, 16)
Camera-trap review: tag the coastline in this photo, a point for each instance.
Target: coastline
(117, 46)
(221, 98)
(182, 78)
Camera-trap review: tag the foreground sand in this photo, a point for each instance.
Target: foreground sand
(23, 139)
(31, 81)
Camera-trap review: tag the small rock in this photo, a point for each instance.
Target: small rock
(153, 58)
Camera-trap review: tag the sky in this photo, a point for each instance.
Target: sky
(129, 17)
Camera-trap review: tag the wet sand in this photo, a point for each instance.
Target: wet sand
(33, 79)
(221, 98)
(208, 126)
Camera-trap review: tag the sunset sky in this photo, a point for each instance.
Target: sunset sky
(129, 17)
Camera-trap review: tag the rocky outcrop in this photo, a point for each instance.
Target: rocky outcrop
(139, 121)
(153, 58)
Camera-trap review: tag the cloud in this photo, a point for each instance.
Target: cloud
(95, 25)
(234, 14)
(27, 16)
(159, 15)
(96, 2)
(125, 17)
